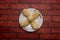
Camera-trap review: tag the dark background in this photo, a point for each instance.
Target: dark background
(9, 19)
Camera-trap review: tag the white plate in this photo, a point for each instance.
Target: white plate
(39, 20)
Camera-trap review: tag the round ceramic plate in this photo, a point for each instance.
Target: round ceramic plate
(29, 28)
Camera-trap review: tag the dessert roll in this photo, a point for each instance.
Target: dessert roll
(36, 14)
(26, 13)
(34, 25)
(24, 23)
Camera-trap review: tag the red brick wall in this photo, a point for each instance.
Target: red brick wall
(9, 16)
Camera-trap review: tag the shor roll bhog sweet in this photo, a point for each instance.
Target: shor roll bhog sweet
(24, 23)
(36, 14)
(26, 13)
(34, 25)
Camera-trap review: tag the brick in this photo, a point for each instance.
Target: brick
(13, 18)
(47, 24)
(3, 35)
(4, 6)
(19, 6)
(8, 24)
(48, 1)
(25, 39)
(55, 30)
(30, 1)
(30, 39)
(10, 12)
(18, 30)
(57, 1)
(51, 12)
(12, 30)
(56, 6)
(3, 23)
(11, 24)
(44, 30)
(44, 24)
(8, 35)
(47, 18)
(15, 39)
(28, 36)
(41, 6)
(56, 18)
(12, 35)
(3, 39)
(47, 12)
(3, 30)
(50, 36)
(3, 17)
(8, 1)
(56, 12)
(56, 24)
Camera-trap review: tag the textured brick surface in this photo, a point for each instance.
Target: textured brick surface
(8, 1)
(56, 6)
(4, 6)
(48, 1)
(50, 36)
(19, 6)
(29, 36)
(41, 6)
(56, 18)
(9, 20)
(13, 18)
(9, 11)
(47, 18)
(30, 1)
